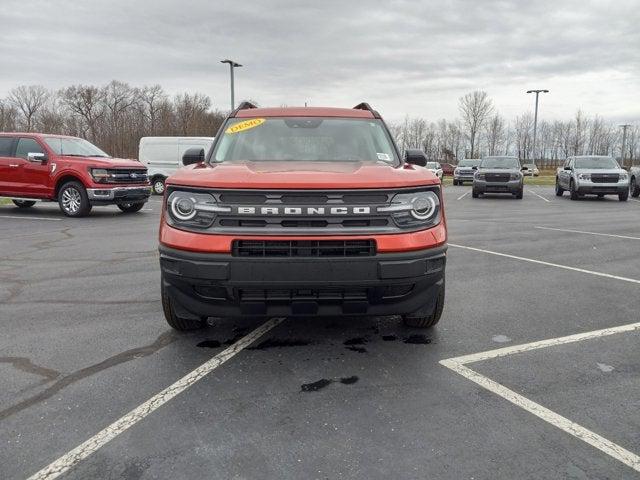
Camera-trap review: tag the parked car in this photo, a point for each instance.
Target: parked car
(498, 175)
(302, 211)
(592, 175)
(464, 171)
(69, 170)
(530, 169)
(634, 182)
(447, 169)
(163, 156)
(435, 168)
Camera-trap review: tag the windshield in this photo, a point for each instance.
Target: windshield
(596, 163)
(74, 147)
(500, 162)
(305, 139)
(468, 163)
(433, 165)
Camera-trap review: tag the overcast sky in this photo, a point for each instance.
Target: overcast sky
(403, 57)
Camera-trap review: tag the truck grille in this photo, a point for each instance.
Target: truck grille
(497, 177)
(604, 177)
(127, 175)
(303, 248)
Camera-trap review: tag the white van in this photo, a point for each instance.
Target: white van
(163, 156)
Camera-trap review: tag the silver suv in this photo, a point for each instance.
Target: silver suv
(464, 171)
(592, 175)
(634, 183)
(498, 175)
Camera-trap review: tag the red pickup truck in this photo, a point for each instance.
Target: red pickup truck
(302, 211)
(69, 170)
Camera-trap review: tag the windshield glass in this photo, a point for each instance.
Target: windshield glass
(468, 163)
(500, 162)
(433, 165)
(596, 163)
(305, 139)
(74, 147)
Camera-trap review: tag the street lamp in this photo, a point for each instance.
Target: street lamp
(535, 118)
(624, 143)
(232, 65)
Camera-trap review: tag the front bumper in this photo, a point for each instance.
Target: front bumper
(590, 188)
(221, 285)
(461, 177)
(109, 195)
(482, 186)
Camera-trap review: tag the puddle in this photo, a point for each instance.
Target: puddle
(389, 338)
(357, 349)
(355, 341)
(280, 343)
(349, 380)
(417, 340)
(325, 382)
(209, 344)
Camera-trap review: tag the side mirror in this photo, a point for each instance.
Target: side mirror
(37, 157)
(475, 167)
(567, 168)
(415, 157)
(193, 155)
(524, 168)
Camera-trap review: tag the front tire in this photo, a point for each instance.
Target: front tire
(573, 191)
(634, 188)
(520, 194)
(157, 186)
(23, 203)
(474, 193)
(130, 207)
(559, 189)
(174, 321)
(428, 321)
(623, 197)
(73, 200)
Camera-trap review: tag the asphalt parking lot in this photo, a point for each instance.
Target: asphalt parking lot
(84, 343)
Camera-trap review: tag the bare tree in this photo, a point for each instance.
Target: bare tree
(28, 100)
(496, 134)
(87, 102)
(475, 108)
(8, 116)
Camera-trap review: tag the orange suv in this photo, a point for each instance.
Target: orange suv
(302, 211)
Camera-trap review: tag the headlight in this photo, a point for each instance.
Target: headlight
(456, 171)
(417, 209)
(515, 176)
(100, 175)
(623, 177)
(191, 209)
(584, 176)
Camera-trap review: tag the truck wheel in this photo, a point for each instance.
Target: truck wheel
(635, 188)
(23, 203)
(573, 191)
(559, 189)
(158, 185)
(431, 320)
(520, 194)
(474, 193)
(73, 200)
(176, 322)
(455, 182)
(130, 207)
(623, 196)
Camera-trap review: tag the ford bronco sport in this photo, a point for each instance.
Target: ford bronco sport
(302, 211)
(69, 170)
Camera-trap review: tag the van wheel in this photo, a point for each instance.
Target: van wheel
(23, 203)
(431, 320)
(73, 200)
(573, 191)
(559, 189)
(176, 322)
(130, 207)
(635, 188)
(158, 185)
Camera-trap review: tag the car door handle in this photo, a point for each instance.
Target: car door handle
(14, 165)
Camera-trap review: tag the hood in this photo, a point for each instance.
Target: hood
(499, 170)
(108, 162)
(616, 171)
(288, 174)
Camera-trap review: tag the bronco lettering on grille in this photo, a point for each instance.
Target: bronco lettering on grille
(303, 210)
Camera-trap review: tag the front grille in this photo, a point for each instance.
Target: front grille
(303, 248)
(604, 177)
(497, 177)
(126, 175)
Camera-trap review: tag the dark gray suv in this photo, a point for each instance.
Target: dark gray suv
(498, 175)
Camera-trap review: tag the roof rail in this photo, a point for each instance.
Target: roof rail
(366, 106)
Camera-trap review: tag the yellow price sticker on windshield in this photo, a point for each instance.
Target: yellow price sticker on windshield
(246, 125)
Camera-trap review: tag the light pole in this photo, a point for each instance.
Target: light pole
(535, 118)
(232, 65)
(624, 143)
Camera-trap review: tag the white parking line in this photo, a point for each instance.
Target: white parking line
(462, 196)
(82, 451)
(31, 218)
(540, 262)
(539, 196)
(588, 233)
(458, 365)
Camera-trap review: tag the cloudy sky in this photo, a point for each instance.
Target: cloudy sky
(403, 57)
